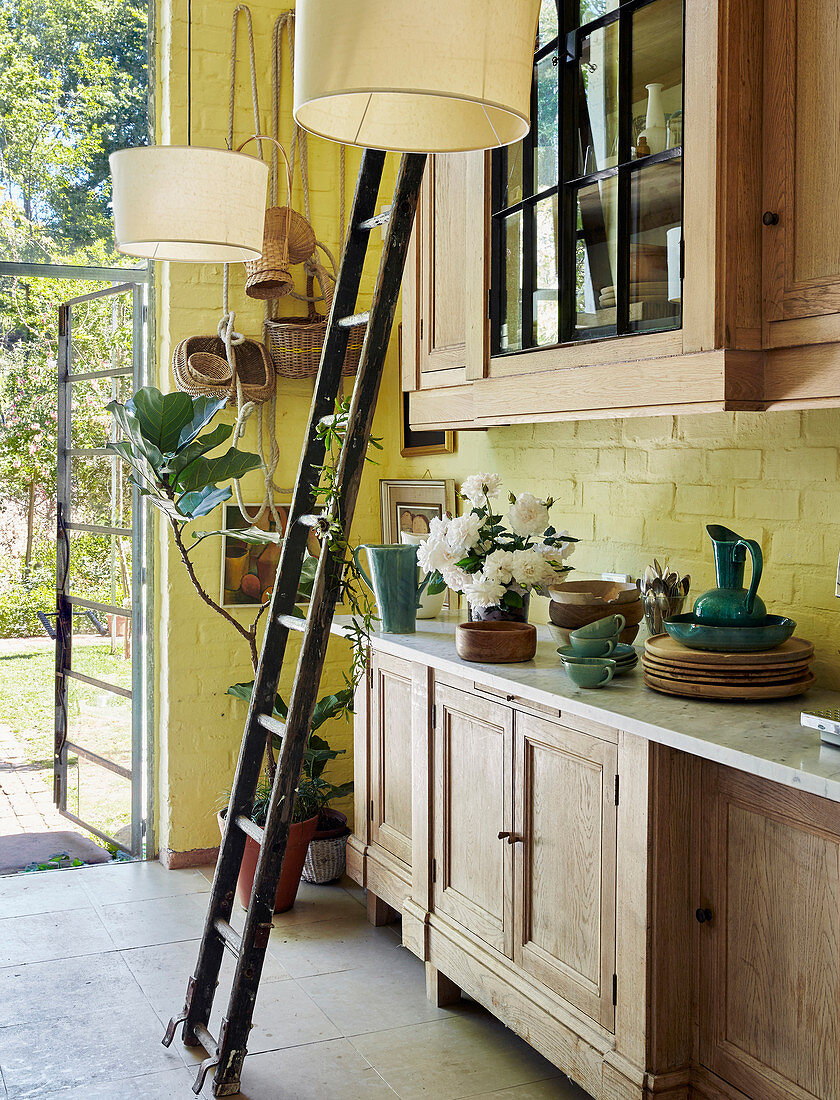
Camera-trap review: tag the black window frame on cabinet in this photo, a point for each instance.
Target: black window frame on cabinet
(565, 50)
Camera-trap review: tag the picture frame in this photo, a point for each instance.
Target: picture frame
(248, 571)
(409, 504)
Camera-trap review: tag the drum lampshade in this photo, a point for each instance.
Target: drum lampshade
(434, 76)
(185, 202)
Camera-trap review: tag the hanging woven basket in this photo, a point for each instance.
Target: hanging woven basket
(295, 343)
(201, 369)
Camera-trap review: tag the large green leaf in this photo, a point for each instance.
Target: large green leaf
(185, 456)
(207, 471)
(133, 435)
(252, 535)
(204, 409)
(201, 501)
(162, 416)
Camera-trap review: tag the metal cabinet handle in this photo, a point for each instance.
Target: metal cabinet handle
(512, 838)
(770, 217)
(703, 915)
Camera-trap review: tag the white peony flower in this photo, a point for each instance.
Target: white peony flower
(434, 556)
(456, 578)
(478, 486)
(462, 533)
(528, 516)
(498, 566)
(483, 592)
(437, 529)
(530, 568)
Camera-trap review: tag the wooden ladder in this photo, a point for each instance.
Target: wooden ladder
(227, 1052)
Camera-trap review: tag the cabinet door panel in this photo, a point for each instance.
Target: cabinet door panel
(770, 978)
(472, 784)
(390, 756)
(802, 158)
(565, 866)
(443, 264)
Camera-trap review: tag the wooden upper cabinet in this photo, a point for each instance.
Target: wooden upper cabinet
(802, 160)
(564, 930)
(390, 756)
(770, 954)
(472, 804)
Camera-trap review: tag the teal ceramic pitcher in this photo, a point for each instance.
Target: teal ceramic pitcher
(730, 604)
(394, 583)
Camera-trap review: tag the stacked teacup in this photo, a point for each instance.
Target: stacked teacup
(595, 654)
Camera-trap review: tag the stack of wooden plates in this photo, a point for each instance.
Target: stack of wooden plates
(774, 674)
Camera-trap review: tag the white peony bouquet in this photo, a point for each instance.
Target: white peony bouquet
(495, 565)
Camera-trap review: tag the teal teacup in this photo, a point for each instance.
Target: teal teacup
(598, 639)
(589, 672)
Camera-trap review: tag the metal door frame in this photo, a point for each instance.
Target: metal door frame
(141, 774)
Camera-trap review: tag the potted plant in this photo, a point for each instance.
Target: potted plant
(495, 566)
(168, 457)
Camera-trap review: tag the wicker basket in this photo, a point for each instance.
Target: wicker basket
(325, 860)
(295, 343)
(201, 376)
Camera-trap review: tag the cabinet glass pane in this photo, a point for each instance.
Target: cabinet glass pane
(595, 260)
(597, 146)
(657, 77)
(548, 25)
(655, 220)
(546, 306)
(511, 282)
(545, 125)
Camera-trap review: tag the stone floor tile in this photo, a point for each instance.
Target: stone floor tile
(326, 947)
(157, 920)
(448, 1059)
(555, 1088)
(41, 892)
(43, 936)
(113, 883)
(171, 1084)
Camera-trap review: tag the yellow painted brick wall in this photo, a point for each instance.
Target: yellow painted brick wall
(198, 655)
(638, 488)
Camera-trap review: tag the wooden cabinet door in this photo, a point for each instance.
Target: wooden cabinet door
(770, 954)
(447, 292)
(801, 158)
(564, 893)
(473, 874)
(390, 755)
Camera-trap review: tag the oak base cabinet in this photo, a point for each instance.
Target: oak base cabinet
(657, 926)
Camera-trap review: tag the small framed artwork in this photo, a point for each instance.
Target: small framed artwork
(248, 571)
(410, 505)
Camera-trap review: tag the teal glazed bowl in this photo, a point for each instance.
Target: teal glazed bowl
(766, 634)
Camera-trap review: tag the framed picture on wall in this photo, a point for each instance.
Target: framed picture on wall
(409, 505)
(248, 570)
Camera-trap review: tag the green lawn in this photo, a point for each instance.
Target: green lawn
(98, 720)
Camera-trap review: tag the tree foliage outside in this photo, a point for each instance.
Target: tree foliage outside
(73, 87)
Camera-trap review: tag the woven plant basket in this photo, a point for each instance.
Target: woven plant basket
(325, 860)
(201, 369)
(295, 343)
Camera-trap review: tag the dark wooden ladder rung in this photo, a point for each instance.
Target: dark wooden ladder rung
(354, 319)
(292, 622)
(250, 828)
(377, 219)
(272, 724)
(230, 937)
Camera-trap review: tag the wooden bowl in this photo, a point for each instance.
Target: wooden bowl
(495, 642)
(572, 616)
(595, 592)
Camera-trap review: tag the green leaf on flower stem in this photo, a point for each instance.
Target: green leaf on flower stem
(436, 584)
(512, 599)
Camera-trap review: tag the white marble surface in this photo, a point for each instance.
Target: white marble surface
(763, 738)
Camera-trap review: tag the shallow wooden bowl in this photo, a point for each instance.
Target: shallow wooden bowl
(594, 592)
(495, 642)
(572, 616)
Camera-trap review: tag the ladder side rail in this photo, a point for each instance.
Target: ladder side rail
(326, 588)
(202, 987)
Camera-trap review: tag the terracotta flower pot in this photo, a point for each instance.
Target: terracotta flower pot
(300, 834)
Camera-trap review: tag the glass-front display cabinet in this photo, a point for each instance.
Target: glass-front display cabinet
(586, 212)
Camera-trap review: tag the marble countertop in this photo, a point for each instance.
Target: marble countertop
(763, 738)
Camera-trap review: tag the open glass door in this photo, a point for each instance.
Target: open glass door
(101, 760)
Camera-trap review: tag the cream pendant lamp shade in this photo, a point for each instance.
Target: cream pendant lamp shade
(432, 76)
(186, 202)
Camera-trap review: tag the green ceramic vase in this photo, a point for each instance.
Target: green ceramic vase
(393, 581)
(730, 604)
